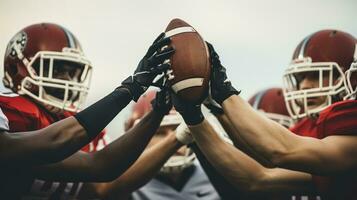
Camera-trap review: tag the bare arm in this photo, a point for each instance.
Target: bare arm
(50, 144)
(142, 171)
(244, 172)
(238, 141)
(286, 149)
(108, 163)
(63, 138)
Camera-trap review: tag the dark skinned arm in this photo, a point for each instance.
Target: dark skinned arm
(108, 163)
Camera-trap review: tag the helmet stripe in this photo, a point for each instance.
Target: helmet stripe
(258, 99)
(303, 46)
(70, 38)
(355, 54)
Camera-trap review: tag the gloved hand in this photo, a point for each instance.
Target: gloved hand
(162, 102)
(183, 134)
(221, 87)
(213, 106)
(155, 61)
(191, 113)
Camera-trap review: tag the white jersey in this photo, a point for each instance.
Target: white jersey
(4, 122)
(197, 187)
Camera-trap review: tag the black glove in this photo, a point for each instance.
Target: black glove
(162, 102)
(191, 113)
(213, 106)
(152, 64)
(221, 87)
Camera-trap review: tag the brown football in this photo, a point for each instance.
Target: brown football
(190, 64)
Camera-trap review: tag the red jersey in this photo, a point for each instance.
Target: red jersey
(338, 119)
(25, 115)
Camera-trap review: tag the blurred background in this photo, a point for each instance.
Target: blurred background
(255, 38)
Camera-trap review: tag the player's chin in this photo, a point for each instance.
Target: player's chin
(313, 105)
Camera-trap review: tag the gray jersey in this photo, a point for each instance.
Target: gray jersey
(4, 122)
(197, 187)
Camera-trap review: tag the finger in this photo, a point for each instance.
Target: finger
(162, 35)
(162, 56)
(153, 47)
(161, 43)
(210, 47)
(158, 45)
(165, 51)
(160, 82)
(162, 67)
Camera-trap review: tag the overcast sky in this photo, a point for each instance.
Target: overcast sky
(255, 38)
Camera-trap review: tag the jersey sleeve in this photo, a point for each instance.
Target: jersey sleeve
(340, 120)
(4, 122)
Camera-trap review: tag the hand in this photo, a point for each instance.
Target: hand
(213, 106)
(191, 113)
(183, 134)
(221, 87)
(155, 61)
(162, 102)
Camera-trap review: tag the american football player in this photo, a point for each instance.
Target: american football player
(46, 68)
(314, 157)
(167, 169)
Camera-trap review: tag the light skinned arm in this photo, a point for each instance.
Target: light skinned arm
(50, 144)
(108, 163)
(282, 148)
(243, 172)
(238, 141)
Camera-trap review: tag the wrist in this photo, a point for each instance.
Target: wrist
(217, 111)
(192, 117)
(157, 115)
(134, 89)
(174, 141)
(225, 93)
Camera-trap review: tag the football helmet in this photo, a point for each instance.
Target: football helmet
(175, 163)
(272, 104)
(326, 54)
(46, 62)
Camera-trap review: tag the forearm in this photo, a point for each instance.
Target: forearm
(268, 138)
(243, 172)
(238, 141)
(108, 163)
(224, 188)
(97, 116)
(142, 171)
(65, 137)
(238, 168)
(125, 150)
(47, 145)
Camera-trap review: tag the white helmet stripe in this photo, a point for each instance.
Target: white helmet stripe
(258, 99)
(70, 37)
(355, 54)
(303, 46)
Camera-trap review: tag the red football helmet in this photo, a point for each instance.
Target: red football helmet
(142, 107)
(46, 62)
(326, 54)
(271, 103)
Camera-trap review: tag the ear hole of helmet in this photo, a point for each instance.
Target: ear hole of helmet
(12, 70)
